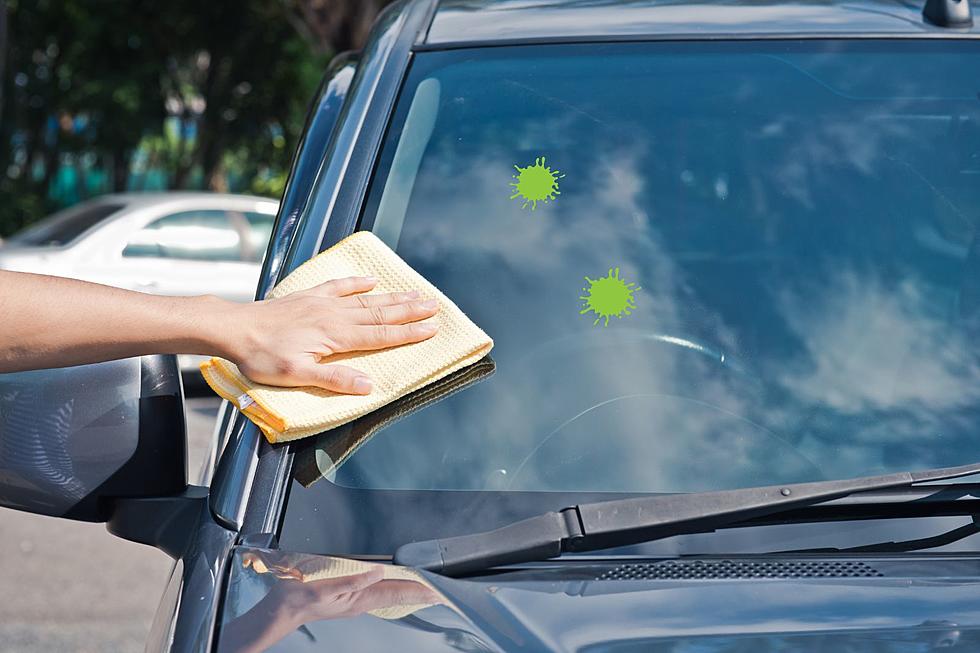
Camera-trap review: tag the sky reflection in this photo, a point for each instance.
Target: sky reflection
(803, 269)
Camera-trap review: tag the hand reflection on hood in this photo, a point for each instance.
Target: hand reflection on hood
(315, 588)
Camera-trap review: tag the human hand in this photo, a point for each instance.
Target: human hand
(340, 596)
(349, 596)
(288, 341)
(293, 601)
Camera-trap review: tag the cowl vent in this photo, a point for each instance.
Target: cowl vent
(741, 569)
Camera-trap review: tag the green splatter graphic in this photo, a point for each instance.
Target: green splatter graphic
(536, 183)
(607, 296)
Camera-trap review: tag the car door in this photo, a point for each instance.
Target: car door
(191, 252)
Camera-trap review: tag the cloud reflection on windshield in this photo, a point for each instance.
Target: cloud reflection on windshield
(834, 367)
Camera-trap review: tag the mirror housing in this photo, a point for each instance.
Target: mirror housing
(95, 442)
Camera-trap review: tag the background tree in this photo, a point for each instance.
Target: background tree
(333, 27)
(99, 96)
(3, 46)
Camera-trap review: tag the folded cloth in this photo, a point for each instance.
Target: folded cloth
(322, 456)
(289, 413)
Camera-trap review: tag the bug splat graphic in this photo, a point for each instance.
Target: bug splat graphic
(608, 296)
(536, 183)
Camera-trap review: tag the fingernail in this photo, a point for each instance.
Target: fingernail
(427, 328)
(363, 385)
(429, 304)
(370, 279)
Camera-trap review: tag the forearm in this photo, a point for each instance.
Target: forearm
(270, 620)
(54, 322)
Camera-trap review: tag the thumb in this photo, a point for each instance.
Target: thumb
(347, 584)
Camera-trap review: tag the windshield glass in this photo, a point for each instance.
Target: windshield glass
(704, 266)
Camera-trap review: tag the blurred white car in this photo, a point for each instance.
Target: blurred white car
(163, 243)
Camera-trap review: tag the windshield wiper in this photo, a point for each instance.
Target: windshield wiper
(594, 526)
(904, 546)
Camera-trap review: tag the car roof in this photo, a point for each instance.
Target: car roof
(461, 23)
(154, 198)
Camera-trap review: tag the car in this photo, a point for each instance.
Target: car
(729, 253)
(168, 243)
(173, 243)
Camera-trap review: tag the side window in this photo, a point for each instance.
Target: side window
(194, 235)
(259, 233)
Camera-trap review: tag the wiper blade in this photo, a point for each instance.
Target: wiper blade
(594, 526)
(904, 546)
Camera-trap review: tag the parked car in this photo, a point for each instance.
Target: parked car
(177, 243)
(729, 253)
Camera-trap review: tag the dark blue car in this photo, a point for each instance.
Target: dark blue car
(729, 253)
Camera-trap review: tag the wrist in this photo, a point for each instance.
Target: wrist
(219, 329)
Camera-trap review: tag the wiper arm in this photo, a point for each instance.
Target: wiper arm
(593, 526)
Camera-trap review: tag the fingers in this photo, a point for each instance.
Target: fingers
(343, 287)
(347, 584)
(336, 378)
(347, 291)
(383, 299)
(367, 338)
(396, 313)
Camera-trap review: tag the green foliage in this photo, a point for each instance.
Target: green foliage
(18, 209)
(101, 95)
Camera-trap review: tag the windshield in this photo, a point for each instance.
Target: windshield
(704, 266)
(65, 226)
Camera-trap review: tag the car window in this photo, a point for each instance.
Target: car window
(65, 226)
(704, 266)
(734, 268)
(206, 235)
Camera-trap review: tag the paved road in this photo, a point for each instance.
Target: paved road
(71, 587)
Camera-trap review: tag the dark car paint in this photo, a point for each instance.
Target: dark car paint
(825, 604)
(321, 205)
(464, 23)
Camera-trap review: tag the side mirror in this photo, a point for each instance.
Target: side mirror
(100, 443)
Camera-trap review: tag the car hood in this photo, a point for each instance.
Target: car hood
(29, 259)
(300, 602)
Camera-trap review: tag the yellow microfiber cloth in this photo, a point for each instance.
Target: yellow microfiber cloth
(289, 413)
(307, 569)
(322, 456)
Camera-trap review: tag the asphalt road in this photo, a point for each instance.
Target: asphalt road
(71, 587)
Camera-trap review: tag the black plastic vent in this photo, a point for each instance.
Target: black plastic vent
(740, 569)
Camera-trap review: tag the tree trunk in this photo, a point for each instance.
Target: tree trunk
(50, 162)
(181, 166)
(120, 169)
(333, 26)
(210, 128)
(211, 157)
(181, 172)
